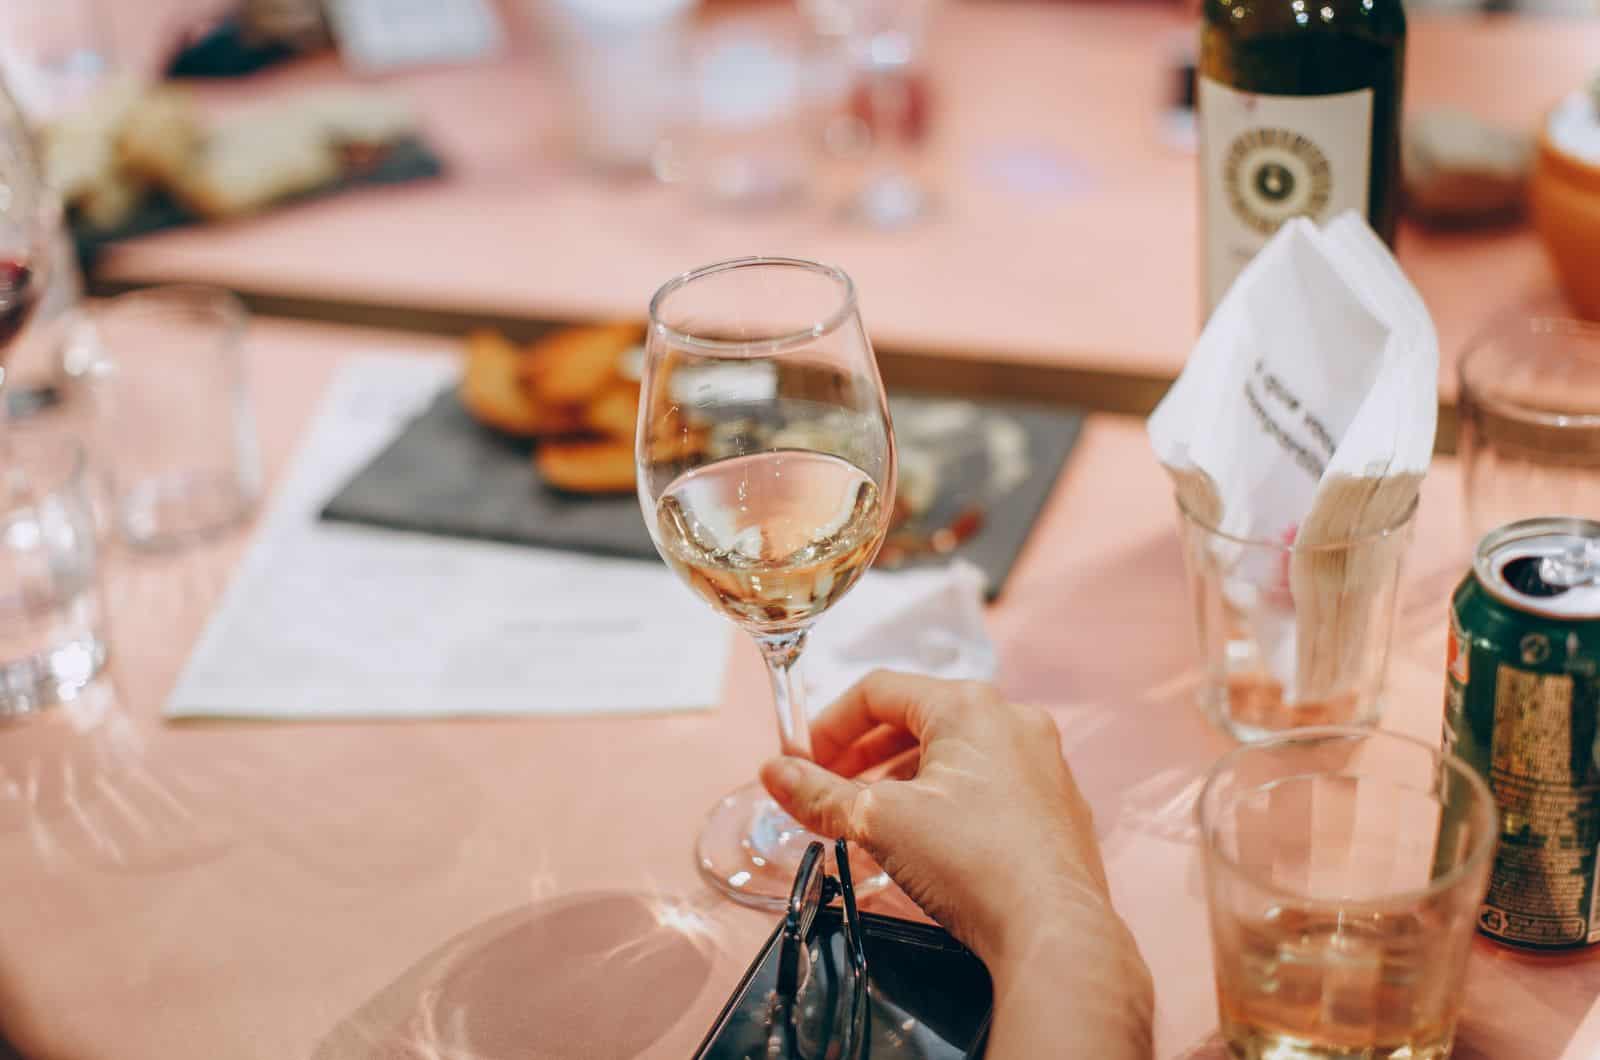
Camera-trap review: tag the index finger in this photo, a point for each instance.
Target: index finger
(883, 697)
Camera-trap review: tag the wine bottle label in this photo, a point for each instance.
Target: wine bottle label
(1265, 159)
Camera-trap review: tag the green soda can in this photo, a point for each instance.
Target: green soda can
(1522, 705)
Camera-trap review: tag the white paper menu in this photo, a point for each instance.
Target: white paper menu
(327, 620)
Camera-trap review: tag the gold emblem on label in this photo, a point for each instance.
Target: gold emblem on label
(1272, 175)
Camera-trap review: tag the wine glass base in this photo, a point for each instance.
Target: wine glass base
(888, 201)
(749, 850)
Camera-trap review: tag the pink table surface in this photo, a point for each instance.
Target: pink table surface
(1065, 233)
(525, 887)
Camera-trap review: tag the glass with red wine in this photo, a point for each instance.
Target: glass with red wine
(28, 219)
(883, 41)
(52, 640)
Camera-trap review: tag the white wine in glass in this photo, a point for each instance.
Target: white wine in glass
(766, 473)
(771, 540)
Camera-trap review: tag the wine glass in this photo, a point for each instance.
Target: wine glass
(766, 463)
(28, 219)
(883, 42)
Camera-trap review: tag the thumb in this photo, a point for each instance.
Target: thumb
(812, 795)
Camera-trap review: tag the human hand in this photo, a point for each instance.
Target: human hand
(976, 816)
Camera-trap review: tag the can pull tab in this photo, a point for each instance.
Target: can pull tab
(1578, 564)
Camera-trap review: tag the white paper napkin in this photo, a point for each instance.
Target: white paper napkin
(923, 621)
(1306, 413)
(336, 621)
(1320, 362)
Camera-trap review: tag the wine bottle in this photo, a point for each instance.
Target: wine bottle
(1299, 112)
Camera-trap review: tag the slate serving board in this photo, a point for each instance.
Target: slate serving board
(403, 161)
(447, 475)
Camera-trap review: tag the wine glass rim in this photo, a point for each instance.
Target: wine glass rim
(1484, 807)
(768, 344)
(1493, 336)
(228, 308)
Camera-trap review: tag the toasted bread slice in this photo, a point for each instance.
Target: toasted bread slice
(493, 393)
(615, 411)
(249, 164)
(574, 365)
(587, 467)
(607, 465)
(160, 137)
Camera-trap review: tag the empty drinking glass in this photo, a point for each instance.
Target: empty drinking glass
(177, 431)
(745, 138)
(1344, 870)
(1292, 634)
(1529, 435)
(52, 641)
(621, 63)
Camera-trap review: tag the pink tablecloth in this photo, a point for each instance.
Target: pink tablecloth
(1065, 230)
(525, 888)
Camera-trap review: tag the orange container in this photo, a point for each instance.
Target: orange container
(1565, 201)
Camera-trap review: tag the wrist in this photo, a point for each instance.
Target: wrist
(1035, 923)
(1074, 932)
(1042, 933)
(1077, 949)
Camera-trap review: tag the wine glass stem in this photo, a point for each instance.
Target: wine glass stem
(889, 107)
(782, 654)
(6, 463)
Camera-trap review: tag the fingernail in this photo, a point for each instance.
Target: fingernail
(781, 775)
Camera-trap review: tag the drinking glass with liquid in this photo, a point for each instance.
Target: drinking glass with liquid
(1344, 870)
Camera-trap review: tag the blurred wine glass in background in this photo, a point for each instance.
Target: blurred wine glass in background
(883, 40)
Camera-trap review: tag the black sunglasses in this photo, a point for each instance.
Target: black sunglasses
(808, 996)
(814, 889)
